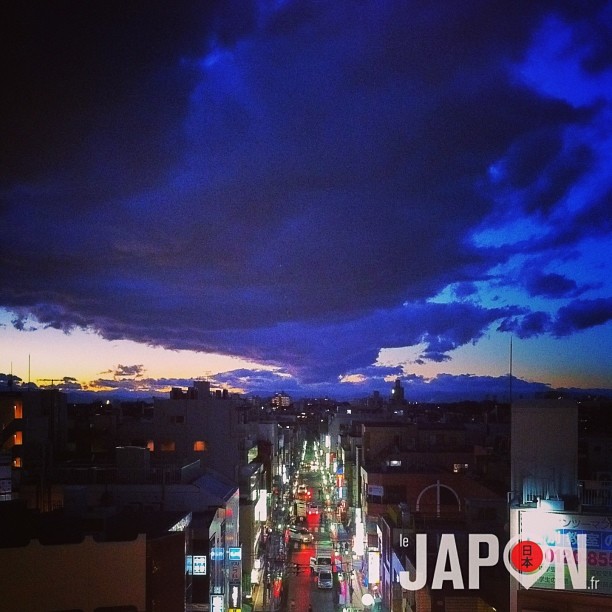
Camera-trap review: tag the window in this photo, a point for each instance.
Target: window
(177, 419)
(168, 446)
(200, 445)
(460, 468)
(17, 462)
(18, 411)
(18, 438)
(151, 445)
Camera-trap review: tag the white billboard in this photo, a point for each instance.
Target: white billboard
(555, 528)
(373, 567)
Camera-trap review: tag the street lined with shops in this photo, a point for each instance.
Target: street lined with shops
(306, 517)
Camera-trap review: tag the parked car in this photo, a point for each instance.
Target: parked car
(299, 534)
(325, 580)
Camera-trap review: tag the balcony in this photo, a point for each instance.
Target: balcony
(595, 494)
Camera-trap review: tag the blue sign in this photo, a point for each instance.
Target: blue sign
(235, 554)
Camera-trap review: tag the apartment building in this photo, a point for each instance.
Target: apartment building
(551, 509)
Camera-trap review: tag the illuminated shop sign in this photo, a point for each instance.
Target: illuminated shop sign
(376, 490)
(556, 528)
(373, 567)
(199, 565)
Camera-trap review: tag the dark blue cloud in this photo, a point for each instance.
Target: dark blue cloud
(448, 387)
(582, 314)
(275, 181)
(527, 326)
(550, 285)
(464, 290)
(578, 315)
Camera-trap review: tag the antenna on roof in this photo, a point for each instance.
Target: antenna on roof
(54, 381)
(511, 370)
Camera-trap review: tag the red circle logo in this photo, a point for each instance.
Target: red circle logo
(526, 556)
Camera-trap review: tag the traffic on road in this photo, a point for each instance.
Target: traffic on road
(311, 567)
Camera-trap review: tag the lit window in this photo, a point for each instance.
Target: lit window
(151, 445)
(199, 445)
(168, 446)
(18, 438)
(18, 411)
(17, 462)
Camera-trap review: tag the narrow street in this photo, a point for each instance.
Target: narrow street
(311, 507)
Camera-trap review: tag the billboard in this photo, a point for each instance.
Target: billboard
(199, 565)
(373, 567)
(376, 490)
(555, 528)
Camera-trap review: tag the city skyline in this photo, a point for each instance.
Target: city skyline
(317, 198)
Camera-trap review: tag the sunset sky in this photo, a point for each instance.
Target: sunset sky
(310, 196)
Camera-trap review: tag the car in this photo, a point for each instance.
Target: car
(325, 580)
(313, 508)
(299, 534)
(302, 488)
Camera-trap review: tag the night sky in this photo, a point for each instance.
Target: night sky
(310, 196)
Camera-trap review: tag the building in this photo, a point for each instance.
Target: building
(193, 425)
(281, 400)
(32, 431)
(123, 560)
(550, 510)
(397, 394)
